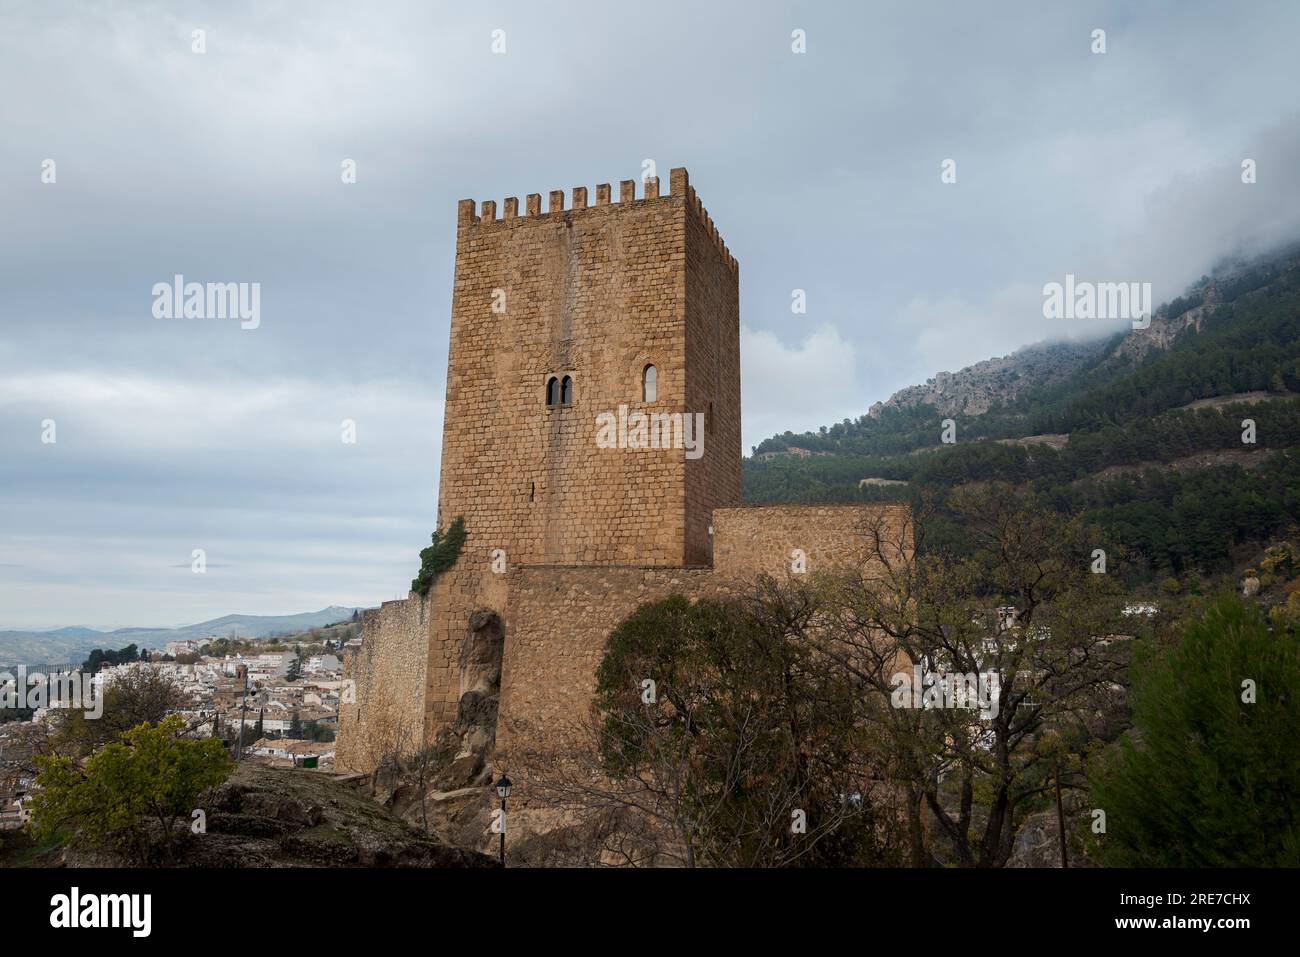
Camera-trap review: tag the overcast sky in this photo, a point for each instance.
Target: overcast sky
(821, 170)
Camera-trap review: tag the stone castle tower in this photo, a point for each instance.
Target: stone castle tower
(557, 317)
(613, 313)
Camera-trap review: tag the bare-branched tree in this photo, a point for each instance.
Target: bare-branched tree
(1013, 640)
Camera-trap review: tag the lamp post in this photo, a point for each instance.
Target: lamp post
(503, 791)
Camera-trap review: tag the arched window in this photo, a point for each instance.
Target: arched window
(552, 390)
(566, 391)
(649, 384)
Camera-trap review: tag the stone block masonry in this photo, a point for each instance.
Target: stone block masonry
(770, 539)
(561, 616)
(595, 295)
(383, 708)
(556, 318)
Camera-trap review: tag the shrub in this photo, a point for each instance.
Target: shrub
(151, 775)
(439, 556)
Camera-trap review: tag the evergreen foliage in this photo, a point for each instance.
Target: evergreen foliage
(440, 555)
(1207, 779)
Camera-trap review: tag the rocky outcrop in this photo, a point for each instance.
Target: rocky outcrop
(278, 817)
(472, 736)
(1162, 333)
(976, 389)
(447, 789)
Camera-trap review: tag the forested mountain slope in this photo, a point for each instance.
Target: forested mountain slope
(1143, 433)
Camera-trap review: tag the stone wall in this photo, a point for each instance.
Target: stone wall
(456, 594)
(559, 618)
(387, 691)
(712, 377)
(558, 621)
(761, 539)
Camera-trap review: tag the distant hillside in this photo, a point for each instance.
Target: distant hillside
(64, 644)
(1142, 432)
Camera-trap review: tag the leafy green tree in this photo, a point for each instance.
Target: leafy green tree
(1210, 775)
(747, 729)
(129, 796)
(133, 697)
(439, 556)
(315, 731)
(100, 657)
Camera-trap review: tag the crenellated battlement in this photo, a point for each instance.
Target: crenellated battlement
(472, 216)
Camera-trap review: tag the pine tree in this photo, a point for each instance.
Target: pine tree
(1210, 775)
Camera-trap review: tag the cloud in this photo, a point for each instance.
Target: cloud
(795, 387)
(1200, 218)
(144, 469)
(821, 171)
(1168, 236)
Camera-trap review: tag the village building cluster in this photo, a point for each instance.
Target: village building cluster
(273, 706)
